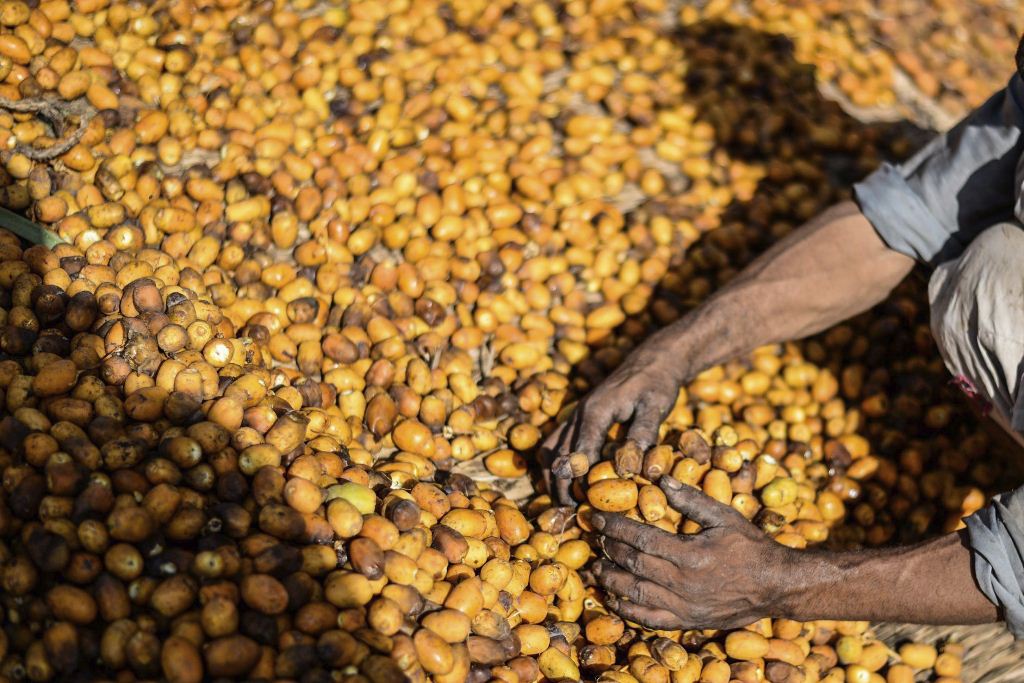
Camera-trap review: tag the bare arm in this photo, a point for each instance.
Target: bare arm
(927, 583)
(830, 269)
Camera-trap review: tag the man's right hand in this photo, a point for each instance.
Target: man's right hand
(642, 390)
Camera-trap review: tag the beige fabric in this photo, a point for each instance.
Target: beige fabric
(977, 318)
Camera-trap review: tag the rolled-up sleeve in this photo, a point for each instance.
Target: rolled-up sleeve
(997, 544)
(931, 206)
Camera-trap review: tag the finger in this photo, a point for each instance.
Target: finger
(649, 617)
(564, 462)
(622, 584)
(629, 459)
(694, 503)
(545, 454)
(557, 442)
(592, 430)
(563, 489)
(571, 466)
(556, 446)
(649, 539)
(648, 566)
(587, 577)
(644, 428)
(558, 471)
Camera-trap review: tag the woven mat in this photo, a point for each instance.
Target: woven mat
(992, 655)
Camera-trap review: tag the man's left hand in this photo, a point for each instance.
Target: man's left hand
(728, 575)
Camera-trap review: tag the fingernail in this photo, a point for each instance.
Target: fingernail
(560, 467)
(595, 568)
(671, 483)
(597, 520)
(579, 464)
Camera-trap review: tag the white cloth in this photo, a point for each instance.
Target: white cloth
(977, 313)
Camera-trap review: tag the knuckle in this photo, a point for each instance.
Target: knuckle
(731, 517)
(699, 616)
(679, 496)
(666, 545)
(612, 549)
(634, 532)
(700, 561)
(611, 526)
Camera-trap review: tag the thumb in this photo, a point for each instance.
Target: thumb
(694, 503)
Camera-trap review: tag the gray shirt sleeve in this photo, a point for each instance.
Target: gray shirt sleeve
(933, 205)
(997, 544)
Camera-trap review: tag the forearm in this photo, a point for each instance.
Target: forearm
(928, 583)
(832, 268)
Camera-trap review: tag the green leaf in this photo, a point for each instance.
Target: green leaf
(24, 228)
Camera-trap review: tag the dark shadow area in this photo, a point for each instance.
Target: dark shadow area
(765, 108)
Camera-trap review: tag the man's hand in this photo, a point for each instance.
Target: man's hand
(642, 390)
(728, 575)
